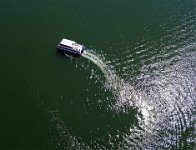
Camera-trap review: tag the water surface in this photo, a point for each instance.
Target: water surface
(133, 89)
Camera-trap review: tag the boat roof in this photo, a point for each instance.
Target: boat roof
(67, 42)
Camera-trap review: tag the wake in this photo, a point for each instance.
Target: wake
(157, 107)
(109, 74)
(97, 61)
(124, 92)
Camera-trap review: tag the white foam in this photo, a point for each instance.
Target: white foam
(125, 93)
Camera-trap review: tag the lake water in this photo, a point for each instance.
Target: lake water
(134, 88)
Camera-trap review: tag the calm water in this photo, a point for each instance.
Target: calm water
(135, 88)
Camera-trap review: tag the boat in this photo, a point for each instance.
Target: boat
(70, 47)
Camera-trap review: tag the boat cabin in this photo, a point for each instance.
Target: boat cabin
(70, 47)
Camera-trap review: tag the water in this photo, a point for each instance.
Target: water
(154, 115)
(133, 89)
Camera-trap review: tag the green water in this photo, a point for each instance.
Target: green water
(134, 90)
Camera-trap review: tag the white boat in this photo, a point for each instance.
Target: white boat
(70, 47)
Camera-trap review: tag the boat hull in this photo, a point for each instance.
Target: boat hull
(68, 52)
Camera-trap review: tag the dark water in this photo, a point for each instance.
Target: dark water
(134, 89)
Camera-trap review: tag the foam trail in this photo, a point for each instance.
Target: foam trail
(96, 60)
(109, 74)
(126, 95)
(153, 116)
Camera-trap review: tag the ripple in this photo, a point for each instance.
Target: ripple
(162, 98)
(157, 48)
(162, 91)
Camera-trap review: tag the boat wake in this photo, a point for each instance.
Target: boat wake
(159, 106)
(125, 94)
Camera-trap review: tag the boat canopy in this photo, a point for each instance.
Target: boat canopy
(68, 42)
